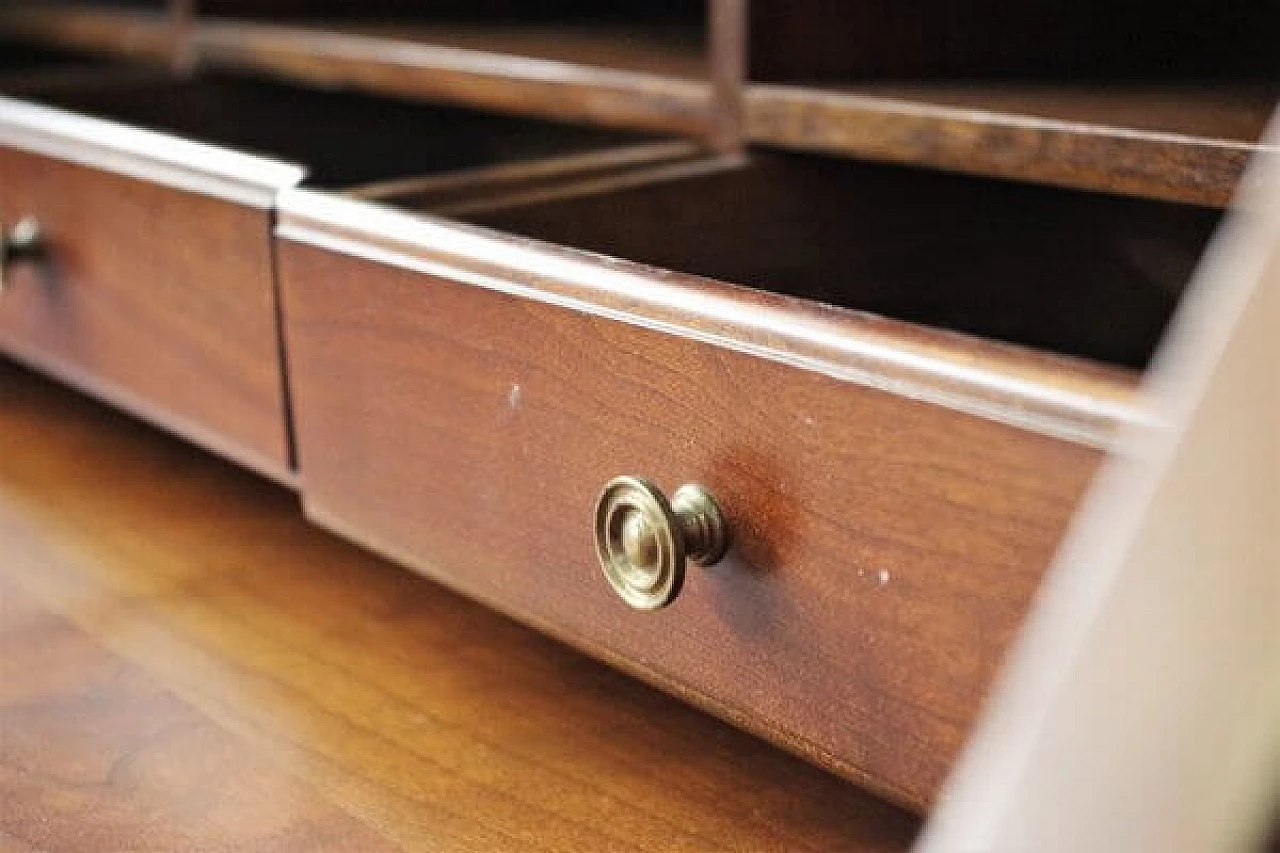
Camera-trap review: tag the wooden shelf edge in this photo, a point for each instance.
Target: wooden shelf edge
(534, 87)
(1161, 166)
(130, 34)
(541, 88)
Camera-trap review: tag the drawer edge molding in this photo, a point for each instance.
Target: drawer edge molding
(1064, 398)
(148, 155)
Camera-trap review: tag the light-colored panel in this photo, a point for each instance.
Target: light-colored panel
(1141, 709)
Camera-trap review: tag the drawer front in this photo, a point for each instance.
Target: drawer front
(159, 299)
(884, 549)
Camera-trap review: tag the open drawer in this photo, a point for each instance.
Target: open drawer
(152, 282)
(893, 489)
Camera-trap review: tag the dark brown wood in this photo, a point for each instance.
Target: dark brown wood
(1089, 95)
(727, 54)
(1083, 112)
(576, 86)
(614, 71)
(187, 665)
(671, 50)
(1223, 111)
(183, 16)
(135, 34)
(1174, 143)
(160, 300)
(885, 548)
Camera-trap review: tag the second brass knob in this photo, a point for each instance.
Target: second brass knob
(23, 242)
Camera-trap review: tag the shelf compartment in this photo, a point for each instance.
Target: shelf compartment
(1174, 143)
(1090, 94)
(806, 41)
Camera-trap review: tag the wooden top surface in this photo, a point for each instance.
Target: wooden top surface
(185, 664)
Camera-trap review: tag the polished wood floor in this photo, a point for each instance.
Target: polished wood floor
(185, 664)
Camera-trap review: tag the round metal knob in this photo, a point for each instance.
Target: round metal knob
(23, 242)
(643, 540)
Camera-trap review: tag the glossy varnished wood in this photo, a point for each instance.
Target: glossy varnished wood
(490, 79)
(1182, 144)
(158, 299)
(886, 548)
(98, 754)
(673, 50)
(187, 665)
(149, 36)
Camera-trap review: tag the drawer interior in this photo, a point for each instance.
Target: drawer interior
(18, 56)
(1076, 273)
(344, 139)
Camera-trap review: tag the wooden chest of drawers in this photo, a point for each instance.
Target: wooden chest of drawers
(450, 330)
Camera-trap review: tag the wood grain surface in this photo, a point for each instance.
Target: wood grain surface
(159, 300)
(136, 34)
(1171, 112)
(185, 664)
(886, 548)
(1184, 144)
(489, 79)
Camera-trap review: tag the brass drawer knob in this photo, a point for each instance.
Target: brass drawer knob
(643, 540)
(23, 242)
